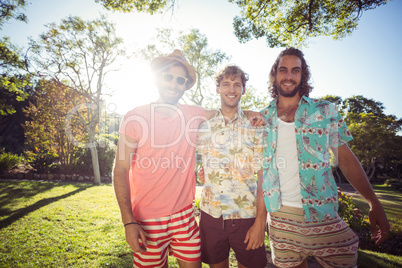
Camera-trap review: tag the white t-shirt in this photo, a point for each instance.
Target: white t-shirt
(287, 164)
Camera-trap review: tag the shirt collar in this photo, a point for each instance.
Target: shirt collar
(304, 99)
(238, 114)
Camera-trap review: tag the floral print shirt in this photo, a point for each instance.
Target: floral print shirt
(318, 127)
(231, 155)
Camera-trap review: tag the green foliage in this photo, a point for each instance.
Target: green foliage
(47, 113)
(350, 213)
(9, 160)
(333, 99)
(395, 183)
(197, 202)
(281, 22)
(284, 23)
(11, 65)
(359, 104)
(12, 82)
(79, 54)
(41, 160)
(106, 153)
(376, 142)
(12, 9)
(148, 6)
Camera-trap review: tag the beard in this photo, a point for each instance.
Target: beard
(288, 94)
(168, 99)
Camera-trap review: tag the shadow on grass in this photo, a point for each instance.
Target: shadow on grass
(375, 261)
(12, 190)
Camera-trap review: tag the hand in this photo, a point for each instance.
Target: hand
(255, 236)
(255, 118)
(134, 232)
(201, 174)
(378, 218)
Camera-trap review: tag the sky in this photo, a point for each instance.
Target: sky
(368, 62)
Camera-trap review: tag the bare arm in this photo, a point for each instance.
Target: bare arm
(209, 113)
(354, 173)
(255, 118)
(125, 149)
(256, 234)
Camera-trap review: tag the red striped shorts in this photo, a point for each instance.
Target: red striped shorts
(331, 242)
(177, 235)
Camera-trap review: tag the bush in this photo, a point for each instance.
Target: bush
(351, 214)
(106, 155)
(42, 161)
(197, 202)
(394, 183)
(9, 160)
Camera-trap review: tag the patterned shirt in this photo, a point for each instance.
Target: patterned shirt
(318, 127)
(231, 155)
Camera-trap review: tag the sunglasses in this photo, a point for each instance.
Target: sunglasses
(179, 79)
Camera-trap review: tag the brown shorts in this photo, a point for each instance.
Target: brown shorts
(292, 240)
(218, 236)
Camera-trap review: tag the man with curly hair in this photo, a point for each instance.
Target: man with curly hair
(300, 192)
(233, 215)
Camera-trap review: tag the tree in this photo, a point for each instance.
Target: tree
(149, 6)
(47, 115)
(15, 83)
(13, 78)
(371, 139)
(285, 23)
(12, 81)
(194, 45)
(281, 22)
(79, 54)
(374, 133)
(12, 9)
(333, 99)
(359, 104)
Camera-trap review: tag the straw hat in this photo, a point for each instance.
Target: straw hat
(159, 62)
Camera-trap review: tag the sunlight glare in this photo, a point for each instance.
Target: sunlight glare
(131, 86)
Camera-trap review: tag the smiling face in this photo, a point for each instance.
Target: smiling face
(170, 86)
(288, 76)
(230, 89)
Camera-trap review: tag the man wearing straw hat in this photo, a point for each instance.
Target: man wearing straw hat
(153, 176)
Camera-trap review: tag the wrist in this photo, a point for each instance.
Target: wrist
(133, 222)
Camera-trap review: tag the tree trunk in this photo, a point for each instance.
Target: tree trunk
(95, 164)
(94, 156)
(372, 169)
(371, 173)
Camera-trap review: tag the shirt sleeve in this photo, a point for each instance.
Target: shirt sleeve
(339, 132)
(135, 125)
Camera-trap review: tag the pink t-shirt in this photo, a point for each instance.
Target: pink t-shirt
(162, 179)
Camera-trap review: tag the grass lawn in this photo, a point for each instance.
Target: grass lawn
(392, 202)
(48, 224)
